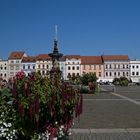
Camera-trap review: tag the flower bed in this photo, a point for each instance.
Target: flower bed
(34, 107)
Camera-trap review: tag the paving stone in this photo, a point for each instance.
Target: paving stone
(108, 117)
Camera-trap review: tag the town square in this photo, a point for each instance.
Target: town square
(69, 70)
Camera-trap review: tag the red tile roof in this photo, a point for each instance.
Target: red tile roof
(91, 60)
(115, 57)
(29, 59)
(43, 57)
(73, 56)
(16, 55)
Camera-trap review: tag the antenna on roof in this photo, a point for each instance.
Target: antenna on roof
(56, 32)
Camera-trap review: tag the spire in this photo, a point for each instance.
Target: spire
(55, 50)
(55, 55)
(55, 33)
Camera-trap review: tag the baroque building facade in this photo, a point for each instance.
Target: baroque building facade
(135, 71)
(4, 69)
(106, 67)
(92, 64)
(28, 65)
(115, 66)
(14, 63)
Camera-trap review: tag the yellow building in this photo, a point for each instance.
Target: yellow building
(92, 64)
(43, 64)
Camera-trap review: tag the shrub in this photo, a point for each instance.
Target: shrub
(42, 107)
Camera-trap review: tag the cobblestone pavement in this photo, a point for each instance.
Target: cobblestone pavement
(105, 136)
(109, 116)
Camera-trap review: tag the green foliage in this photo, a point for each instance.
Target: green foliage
(122, 81)
(88, 77)
(36, 103)
(84, 90)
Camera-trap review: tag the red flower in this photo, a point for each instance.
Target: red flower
(20, 75)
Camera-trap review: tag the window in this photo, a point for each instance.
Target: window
(127, 73)
(39, 66)
(1, 68)
(1, 74)
(133, 73)
(110, 74)
(106, 66)
(114, 66)
(5, 74)
(137, 73)
(12, 68)
(127, 66)
(17, 67)
(43, 72)
(23, 66)
(137, 66)
(5, 68)
(123, 73)
(114, 73)
(110, 66)
(84, 67)
(11, 74)
(73, 68)
(47, 66)
(12, 61)
(95, 67)
(33, 66)
(118, 66)
(17, 61)
(123, 66)
(73, 74)
(43, 66)
(99, 67)
(28, 66)
(69, 75)
(133, 67)
(99, 74)
(77, 67)
(90, 67)
(73, 62)
(118, 73)
(68, 67)
(78, 74)
(106, 74)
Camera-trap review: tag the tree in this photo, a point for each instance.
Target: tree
(88, 78)
(122, 81)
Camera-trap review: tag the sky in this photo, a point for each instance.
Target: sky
(85, 27)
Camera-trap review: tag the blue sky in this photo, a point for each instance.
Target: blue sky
(85, 27)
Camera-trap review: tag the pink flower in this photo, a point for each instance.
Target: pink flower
(20, 75)
(3, 84)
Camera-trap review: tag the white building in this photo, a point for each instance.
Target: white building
(135, 71)
(43, 64)
(62, 64)
(14, 63)
(73, 66)
(4, 69)
(28, 65)
(115, 66)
